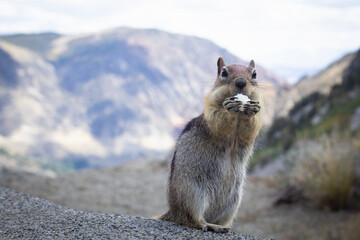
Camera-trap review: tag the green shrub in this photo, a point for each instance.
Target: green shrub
(325, 168)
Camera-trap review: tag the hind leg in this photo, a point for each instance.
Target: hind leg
(221, 223)
(225, 215)
(196, 207)
(199, 219)
(226, 219)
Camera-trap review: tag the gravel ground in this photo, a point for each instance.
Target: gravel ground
(25, 217)
(138, 188)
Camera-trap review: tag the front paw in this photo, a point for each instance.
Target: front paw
(251, 108)
(232, 105)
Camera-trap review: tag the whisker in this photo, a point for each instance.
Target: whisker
(266, 85)
(207, 84)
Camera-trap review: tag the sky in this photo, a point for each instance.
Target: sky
(289, 37)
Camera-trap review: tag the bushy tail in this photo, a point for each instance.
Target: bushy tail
(165, 217)
(169, 217)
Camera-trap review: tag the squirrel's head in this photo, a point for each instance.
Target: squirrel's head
(237, 78)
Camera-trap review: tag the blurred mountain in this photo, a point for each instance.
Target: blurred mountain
(37, 118)
(108, 96)
(333, 106)
(39, 43)
(321, 82)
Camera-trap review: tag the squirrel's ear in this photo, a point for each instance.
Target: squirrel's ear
(220, 64)
(252, 64)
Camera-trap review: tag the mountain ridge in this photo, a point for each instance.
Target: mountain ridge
(128, 92)
(321, 82)
(117, 94)
(318, 114)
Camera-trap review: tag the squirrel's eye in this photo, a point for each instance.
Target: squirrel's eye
(253, 76)
(224, 73)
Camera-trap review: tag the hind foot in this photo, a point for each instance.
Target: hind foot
(215, 228)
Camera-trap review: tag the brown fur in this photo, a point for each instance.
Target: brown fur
(211, 154)
(223, 124)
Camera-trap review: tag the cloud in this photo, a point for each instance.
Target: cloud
(28, 18)
(299, 34)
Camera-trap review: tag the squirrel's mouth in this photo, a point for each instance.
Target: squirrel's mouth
(246, 93)
(241, 91)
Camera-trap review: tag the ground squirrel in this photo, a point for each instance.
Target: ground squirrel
(209, 162)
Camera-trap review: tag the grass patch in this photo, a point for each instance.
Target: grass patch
(339, 116)
(325, 169)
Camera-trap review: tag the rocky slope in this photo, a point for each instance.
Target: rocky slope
(321, 82)
(336, 105)
(324, 118)
(108, 96)
(26, 217)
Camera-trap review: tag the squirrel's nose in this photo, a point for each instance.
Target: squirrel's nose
(240, 83)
